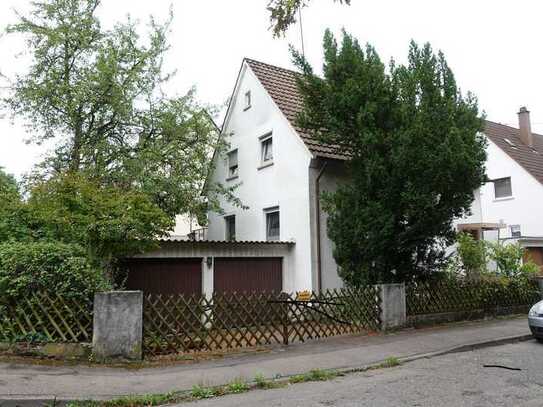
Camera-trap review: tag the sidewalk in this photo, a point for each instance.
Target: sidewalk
(46, 382)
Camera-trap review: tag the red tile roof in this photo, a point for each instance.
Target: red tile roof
(281, 84)
(508, 139)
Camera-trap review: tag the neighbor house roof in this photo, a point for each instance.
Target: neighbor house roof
(281, 85)
(508, 139)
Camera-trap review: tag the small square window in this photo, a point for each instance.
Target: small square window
(502, 188)
(230, 228)
(267, 150)
(272, 224)
(247, 100)
(233, 164)
(515, 231)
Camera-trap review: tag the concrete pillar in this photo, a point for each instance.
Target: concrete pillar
(540, 283)
(118, 325)
(393, 306)
(208, 265)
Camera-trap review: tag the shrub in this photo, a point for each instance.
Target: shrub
(52, 267)
(472, 254)
(509, 261)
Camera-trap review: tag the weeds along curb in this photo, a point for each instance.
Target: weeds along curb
(238, 386)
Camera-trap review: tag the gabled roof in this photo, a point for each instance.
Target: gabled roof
(508, 139)
(281, 84)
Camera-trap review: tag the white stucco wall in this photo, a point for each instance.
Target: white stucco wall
(284, 184)
(524, 207)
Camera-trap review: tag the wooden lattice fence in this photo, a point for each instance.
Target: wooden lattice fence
(181, 324)
(46, 318)
(470, 296)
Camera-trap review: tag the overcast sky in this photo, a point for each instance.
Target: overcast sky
(493, 46)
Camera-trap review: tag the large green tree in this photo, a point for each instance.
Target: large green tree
(416, 156)
(100, 95)
(283, 13)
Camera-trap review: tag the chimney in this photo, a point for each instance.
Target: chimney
(525, 127)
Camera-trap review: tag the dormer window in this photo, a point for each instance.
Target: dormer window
(233, 164)
(247, 100)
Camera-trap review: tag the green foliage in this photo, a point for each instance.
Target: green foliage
(110, 222)
(314, 375)
(53, 267)
(12, 216)
(283, 13)
(416, 157)
(509, 261)
(237, 386)
(201, 392)
(472, 254)
(100, 95)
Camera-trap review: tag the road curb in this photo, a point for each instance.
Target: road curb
(455, 349)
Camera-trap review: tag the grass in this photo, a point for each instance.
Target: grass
(236, 386)
(315, 375)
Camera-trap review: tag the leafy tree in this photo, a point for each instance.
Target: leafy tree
(13, 223)
(108, 222)
(416, 157)
(100, 95)
(283, 13)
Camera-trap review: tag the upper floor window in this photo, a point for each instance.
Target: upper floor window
(272, 224)
(502, 188)
(230, 228)
(266, 149)
(233, 164)
(247, 100)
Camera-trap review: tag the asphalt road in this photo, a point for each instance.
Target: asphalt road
(450, 380)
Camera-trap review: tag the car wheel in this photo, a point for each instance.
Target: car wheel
(540, 340)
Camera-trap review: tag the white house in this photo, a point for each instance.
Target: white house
(281, 172)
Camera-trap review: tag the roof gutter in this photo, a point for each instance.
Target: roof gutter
(318, 221)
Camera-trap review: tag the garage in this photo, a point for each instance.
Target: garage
(165, 276)
(248, 274)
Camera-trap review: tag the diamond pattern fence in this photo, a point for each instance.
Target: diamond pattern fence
(470, 296)
(46, 318)
(184, 324)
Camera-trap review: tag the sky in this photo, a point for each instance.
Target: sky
(493, 47)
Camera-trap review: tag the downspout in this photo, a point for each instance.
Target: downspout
(318, 220)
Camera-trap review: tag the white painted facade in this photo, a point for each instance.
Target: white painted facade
(284, 184)
(522, 208)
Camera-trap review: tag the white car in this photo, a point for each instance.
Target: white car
(535, 320)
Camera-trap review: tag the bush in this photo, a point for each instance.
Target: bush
(509, 261)
(52, 267)
(472, 254)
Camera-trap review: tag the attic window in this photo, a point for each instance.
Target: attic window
(247, 100)
(502, 188)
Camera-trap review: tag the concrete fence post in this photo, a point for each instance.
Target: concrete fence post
(540, 284)
(118, 325)
(393, 306)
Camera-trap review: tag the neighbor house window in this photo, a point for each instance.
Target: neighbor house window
(230, 223)
(502, 188)
(515, 231)
(272, 224)
(266, 154)
(247, 100)
(233, 164)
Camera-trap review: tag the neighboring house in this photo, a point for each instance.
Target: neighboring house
(508, 207)
(281, 172)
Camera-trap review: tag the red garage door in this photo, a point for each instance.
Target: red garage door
(165, 276)
(248, 274)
